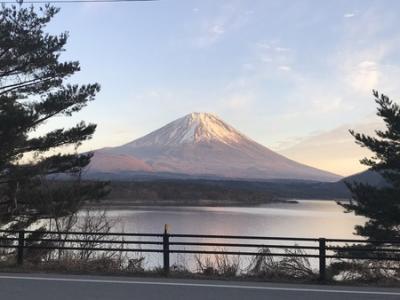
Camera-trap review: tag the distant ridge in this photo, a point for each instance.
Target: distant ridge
(201, 144)
(366, 177)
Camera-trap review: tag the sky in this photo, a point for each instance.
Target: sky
(282, 72)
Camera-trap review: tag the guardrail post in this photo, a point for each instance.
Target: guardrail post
(322, 259)
(166, 249)
(20, 247)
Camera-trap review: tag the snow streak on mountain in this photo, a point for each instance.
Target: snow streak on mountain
(201, 144)
(193, 128)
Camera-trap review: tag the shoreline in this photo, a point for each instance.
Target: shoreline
(131, 204)
(182, 203)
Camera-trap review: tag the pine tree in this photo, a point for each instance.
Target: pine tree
(380, 205)
(34, 89)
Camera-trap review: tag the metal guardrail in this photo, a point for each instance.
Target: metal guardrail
(167, 243)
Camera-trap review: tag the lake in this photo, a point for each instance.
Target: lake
(307, 218)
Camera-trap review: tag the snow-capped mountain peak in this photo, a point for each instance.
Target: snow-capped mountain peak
(201, 144)
(193, 128)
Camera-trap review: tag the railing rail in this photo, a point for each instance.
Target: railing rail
(167, 243)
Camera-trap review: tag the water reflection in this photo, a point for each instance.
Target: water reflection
(305, 219)
(311, 219)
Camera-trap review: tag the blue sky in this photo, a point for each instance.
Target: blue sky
(275, 70)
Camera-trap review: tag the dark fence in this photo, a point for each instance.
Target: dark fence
(167, 243)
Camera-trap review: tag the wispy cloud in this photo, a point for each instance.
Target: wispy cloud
(333, 105)
(364, 63)
(239, 101)
(285, 68)
(248, 66)
(212, 29)
(360, 64)
(333, 150)
(281, 49)
(273, 53)
(349, 15)
(364, 76)
(212, 33)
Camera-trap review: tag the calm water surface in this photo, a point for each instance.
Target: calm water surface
(308, 218)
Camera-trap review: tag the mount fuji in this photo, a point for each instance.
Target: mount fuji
(202, 145)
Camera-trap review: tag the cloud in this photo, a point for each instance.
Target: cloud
(240, 83)
(363, 67)
(211, 33)
(266, 59)
(212, 29)
(338, 86)
(333, 150)
(330, 105)
(271, 46)
(263, 45)
(239, 102)
(281, 49)
(217, 29)
(284, 68)
(271, 52)
(323, 87)
(364, 76)
(367, 56)
(248, 66)
(349, 15)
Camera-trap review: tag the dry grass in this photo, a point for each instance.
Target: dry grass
(218, 265)
(270, 267)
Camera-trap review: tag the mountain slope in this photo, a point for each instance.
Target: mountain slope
(202, 144)
(368, 177)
